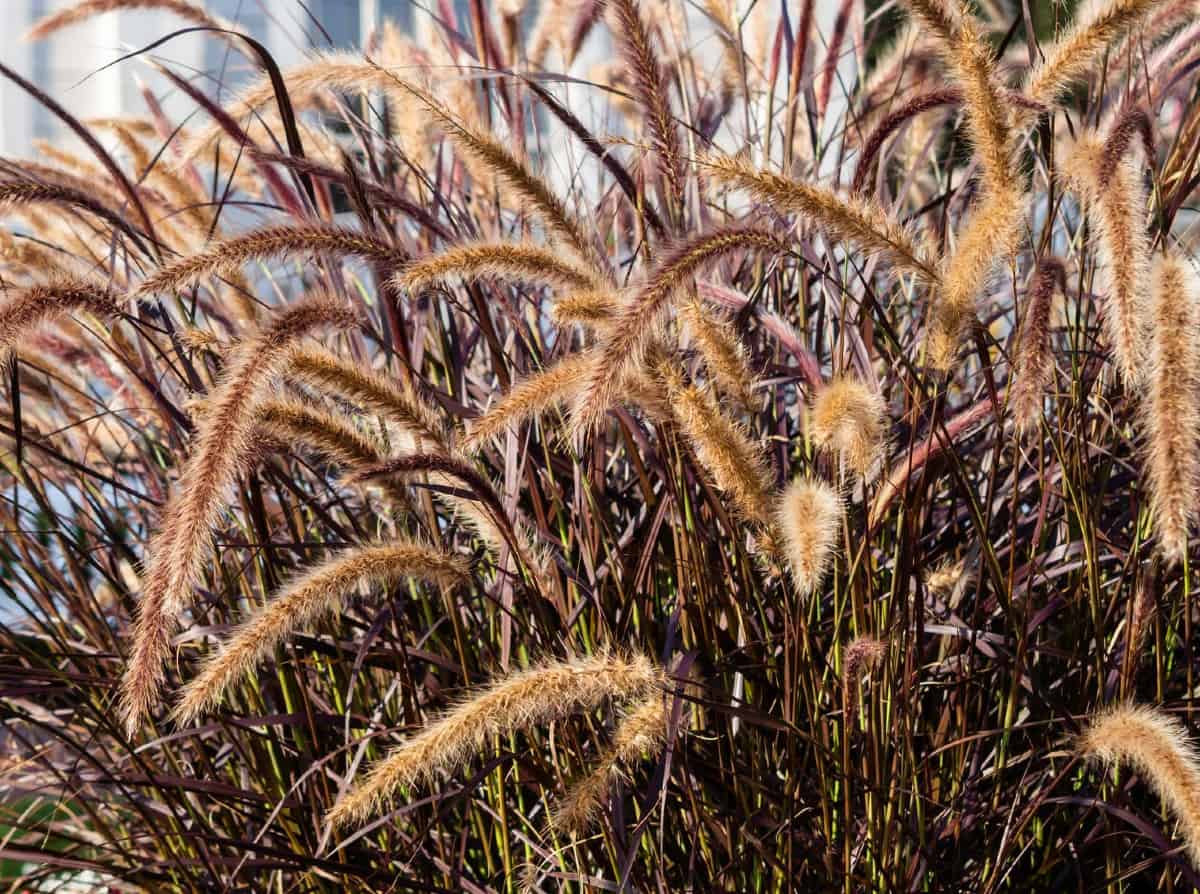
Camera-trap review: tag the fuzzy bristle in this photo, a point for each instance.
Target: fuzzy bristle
(496, 158)
(523, 262)
(1033, 365)
(643, 730)
(860, 657)
(1158, 747)
(1116, 207)
(850, 418)
(1097, 25)
(651, 85)
(588, 308)
(28, 308)
(323, 371)
(513, 704)
(310, 597)
(853, 219)
(219, 451)
(86, 9)
(737, 465)
(531, 397)
(809, 514)
(624, 348)
(992, 232)
(1171, 407)
(229, 255)
(721, 350)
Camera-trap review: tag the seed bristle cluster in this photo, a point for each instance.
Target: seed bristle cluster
(809, 516)
(1157, 746)
(513, 704)
(317, 594)
(1170, 408)
(849, 417)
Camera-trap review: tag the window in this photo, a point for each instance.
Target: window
(398, 11)
(44, 124)
(228, 68)
(339, 18)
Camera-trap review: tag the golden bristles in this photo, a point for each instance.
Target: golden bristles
(219, 452)
(316, 594)
(849, 417)
(809, 515)
(1170, 415)
(513, 704)
(1157, 746)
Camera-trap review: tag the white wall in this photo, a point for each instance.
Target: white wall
(67, 66)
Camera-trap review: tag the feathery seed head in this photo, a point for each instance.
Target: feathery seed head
(809, 514)
(1097, 25)
(737, 464)
(642, 730)
(219, 451)
(1033, 368)
(860, 656)
(311, 596)
(1158, 747)
(850, 418)
(531, 397)
(506, 260)
(86, 9)
(1170, 412)
(588, 308)
(228, 256)
(32, 306)
(516, 703)
(633, 329)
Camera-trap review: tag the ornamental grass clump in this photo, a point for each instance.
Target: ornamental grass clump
(633, 445)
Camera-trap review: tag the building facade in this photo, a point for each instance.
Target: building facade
(70, 65)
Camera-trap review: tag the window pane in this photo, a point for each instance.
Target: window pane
(339, 18)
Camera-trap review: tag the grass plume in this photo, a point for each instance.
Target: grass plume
(522, 262)
(642, 730)
(312, 596)
(529, 398)
(177, 552)
(83, 10)
(736, 464)
(1171, 418)
(624, 348)
(30, 307)
(852, 219)
(1157, 746)
(516, 703)
(230, 255)
(1097, 24)
(1033, 365)
(809, 516)
(850, 418)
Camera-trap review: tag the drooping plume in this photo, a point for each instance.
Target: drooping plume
(513, 704)
(624, 348)
(518, 261)
(316, 594)
(229, 255)
(1157, 746)
(849, 417)
(1115, 197)
(1098, 24)
(219, 449)
(28, 308)
(1033, 365)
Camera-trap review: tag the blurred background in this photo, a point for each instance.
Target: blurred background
(68, 66)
